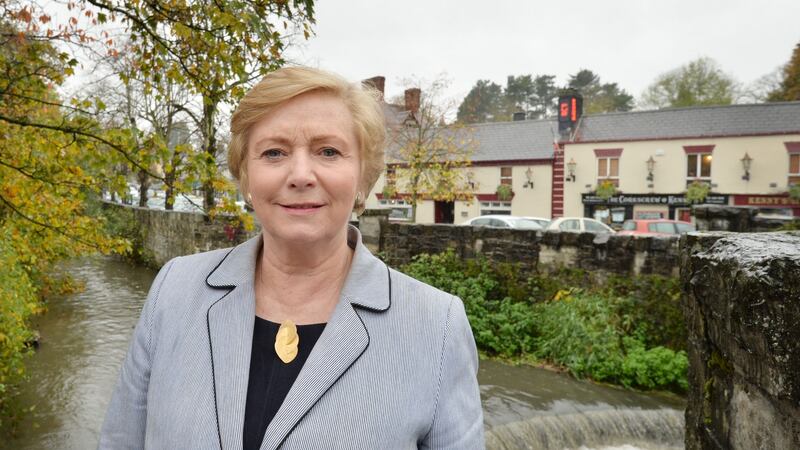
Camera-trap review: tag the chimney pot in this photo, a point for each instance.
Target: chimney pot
(378, 83)
(412, 100)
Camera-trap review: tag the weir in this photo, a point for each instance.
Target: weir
(650, 429)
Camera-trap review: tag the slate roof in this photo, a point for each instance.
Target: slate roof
(506, 141)
(694, 122)
(533, 139)
(524, 139)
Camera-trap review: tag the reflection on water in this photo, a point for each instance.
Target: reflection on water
(84, 338)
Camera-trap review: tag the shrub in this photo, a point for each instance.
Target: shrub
(616, 332)
(18, 301)
(590, 335)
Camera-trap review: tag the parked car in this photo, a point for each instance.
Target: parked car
(540, 220)
(502, 221)
(655, 227)
(579, 224)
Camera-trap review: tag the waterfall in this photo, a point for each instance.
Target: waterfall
(616, 428)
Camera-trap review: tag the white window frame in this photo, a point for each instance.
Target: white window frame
(495, 207)
(608, 168)
(510, 178)
(699, 167)
(396, 204)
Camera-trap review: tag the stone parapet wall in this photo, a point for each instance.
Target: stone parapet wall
(534, 250)
(164, 235)
(741, 299)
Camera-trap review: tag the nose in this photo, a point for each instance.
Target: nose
(301, 174)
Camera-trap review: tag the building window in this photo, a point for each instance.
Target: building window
(505, 175)
(400, 210)
(503, 208)
(698, 166)
(608, 165)
(608, 169)
(391, 176)
(794, 168)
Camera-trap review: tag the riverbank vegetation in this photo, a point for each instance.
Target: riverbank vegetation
(622, 330)
(145, 112)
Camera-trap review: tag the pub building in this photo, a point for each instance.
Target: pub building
(748, 155)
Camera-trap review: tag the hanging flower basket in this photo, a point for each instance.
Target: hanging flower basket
(389, 191)
(794, 192)
(504, 193)
(605, 190)
(697, 192)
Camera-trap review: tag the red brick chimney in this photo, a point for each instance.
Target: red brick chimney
(376, 83)
(412, 100)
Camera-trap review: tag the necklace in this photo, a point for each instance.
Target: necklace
(286, 341)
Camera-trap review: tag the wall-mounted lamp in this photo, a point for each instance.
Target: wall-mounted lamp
(529, 177)
(651, 164)
(571, 169)
(471, 180)
(746, 161)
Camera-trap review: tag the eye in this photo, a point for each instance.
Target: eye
(330, 152)
(272, 153)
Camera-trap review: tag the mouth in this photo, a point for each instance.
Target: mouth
(301, 205)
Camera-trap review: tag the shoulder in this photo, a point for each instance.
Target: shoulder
(412, 295)
(198, 263)
(183, 279)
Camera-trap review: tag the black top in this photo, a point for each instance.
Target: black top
(271, 378)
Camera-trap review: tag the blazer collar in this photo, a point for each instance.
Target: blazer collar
(367, 283)
(230, 318)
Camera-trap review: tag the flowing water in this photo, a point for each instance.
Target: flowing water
(84, 338)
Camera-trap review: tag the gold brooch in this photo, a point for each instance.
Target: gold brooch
(286, 342)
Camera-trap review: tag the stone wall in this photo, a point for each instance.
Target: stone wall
(533, 250)
(742, 219)
(741, 299)
(163, 235)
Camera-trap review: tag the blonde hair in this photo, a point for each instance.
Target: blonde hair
(284, 84)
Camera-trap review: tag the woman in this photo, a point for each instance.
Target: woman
(299, 338)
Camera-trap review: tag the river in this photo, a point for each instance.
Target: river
(84, 338)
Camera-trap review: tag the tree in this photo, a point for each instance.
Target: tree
(46, 175)
(431, 157)
(761, 89)
(484, 103)
(599, 97)
(789, 89)
(698, 83)
(213, 49)
(536, 96)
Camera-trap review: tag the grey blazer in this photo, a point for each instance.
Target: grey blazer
(395, 367)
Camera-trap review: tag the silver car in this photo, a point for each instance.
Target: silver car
(502, 221)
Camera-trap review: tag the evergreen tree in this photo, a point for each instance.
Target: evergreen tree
(789, 89)
(484, 103)
(599, 97)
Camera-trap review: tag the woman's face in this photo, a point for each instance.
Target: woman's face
(304, 168)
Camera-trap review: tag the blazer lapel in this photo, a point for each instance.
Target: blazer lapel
(341, 344)
(230, 320)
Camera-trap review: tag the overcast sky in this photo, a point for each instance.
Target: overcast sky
(629, 42)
